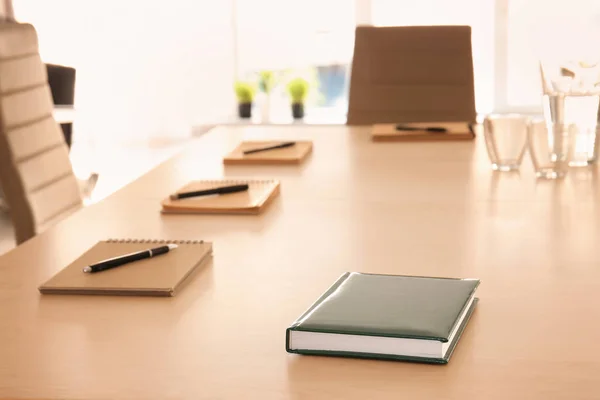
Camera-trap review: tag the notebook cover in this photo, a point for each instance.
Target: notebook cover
(162, 275)
(456, 131)
(259, 194)
(388, 306)
(377, 356)
(287, 155)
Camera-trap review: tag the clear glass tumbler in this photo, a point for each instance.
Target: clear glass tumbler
(505, 140)
(550, 152)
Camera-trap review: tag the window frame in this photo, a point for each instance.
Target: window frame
(501, 28)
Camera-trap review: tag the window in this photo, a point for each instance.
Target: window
(155, 82)
(533, 29)
(313, 39)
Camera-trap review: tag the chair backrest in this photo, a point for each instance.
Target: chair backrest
(35, 171)
(411, 74)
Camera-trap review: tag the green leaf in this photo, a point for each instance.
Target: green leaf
(298, 90)
(244, 92)
(266, 81)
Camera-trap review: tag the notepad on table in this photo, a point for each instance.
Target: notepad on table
(454, 131)
(386, 316)
(288, 155)
(252, 201)
(161, 275)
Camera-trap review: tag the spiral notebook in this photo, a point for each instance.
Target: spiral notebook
(252, 201)
(162, 275)
(295, 154)
(454, 131)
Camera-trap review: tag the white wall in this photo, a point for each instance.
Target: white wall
(144, 68)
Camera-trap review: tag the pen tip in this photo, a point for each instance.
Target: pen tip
(87, 269)
(172, 246)
(173, 197)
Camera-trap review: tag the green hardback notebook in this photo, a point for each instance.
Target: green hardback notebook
(386, 316)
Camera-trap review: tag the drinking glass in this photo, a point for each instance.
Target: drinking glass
(550, 153)
(505, 140)
(570, 72)
(572, 102)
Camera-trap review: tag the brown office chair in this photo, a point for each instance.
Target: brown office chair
(37, 178)
(411, 74)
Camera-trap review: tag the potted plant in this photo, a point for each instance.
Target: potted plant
(244, 92)
(298, 90)
(266, 81)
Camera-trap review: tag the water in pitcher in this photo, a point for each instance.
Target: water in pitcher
(577, 116)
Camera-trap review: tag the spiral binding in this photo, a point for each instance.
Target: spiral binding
(238, 181)
(159, 241)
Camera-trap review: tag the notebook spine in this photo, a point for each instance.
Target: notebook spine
(159, 241)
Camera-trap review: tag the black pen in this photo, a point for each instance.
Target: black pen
(207, 192)
(127, 258)
(277, 146)
(432, 129)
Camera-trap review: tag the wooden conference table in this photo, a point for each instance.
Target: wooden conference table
(413, 208)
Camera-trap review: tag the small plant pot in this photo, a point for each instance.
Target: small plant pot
(298, 110)
(245, 110)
